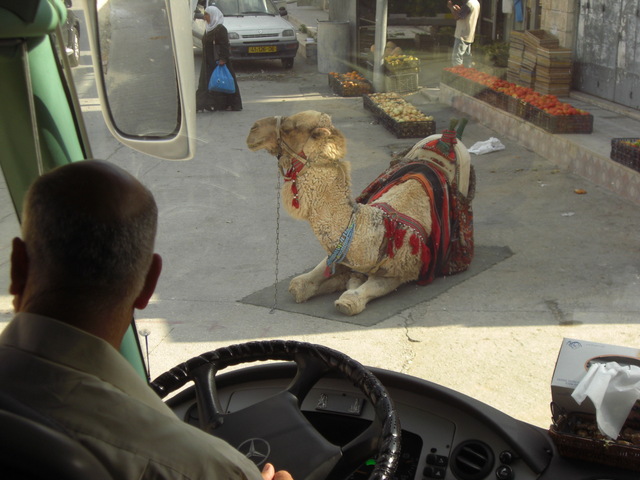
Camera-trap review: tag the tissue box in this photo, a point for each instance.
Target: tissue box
(574, 430)
(572, 365)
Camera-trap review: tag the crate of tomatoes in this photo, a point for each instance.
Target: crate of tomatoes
(626, 151)
(560, 121)
(351, 84)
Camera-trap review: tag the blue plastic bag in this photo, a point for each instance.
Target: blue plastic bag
(221, 80)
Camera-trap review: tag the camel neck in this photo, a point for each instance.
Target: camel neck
(330, 205)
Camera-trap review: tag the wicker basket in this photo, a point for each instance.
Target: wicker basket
(625, 154)
(570, 444)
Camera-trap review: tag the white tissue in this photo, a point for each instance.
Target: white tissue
(613, 389)
(491, 145)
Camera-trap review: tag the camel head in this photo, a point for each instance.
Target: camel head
(308, 134)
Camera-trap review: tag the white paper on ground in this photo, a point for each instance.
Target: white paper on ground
(488, 146)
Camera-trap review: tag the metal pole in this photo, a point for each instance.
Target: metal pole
(381, 42)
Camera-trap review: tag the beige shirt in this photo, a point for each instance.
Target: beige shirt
(466, 27)
(85, 385)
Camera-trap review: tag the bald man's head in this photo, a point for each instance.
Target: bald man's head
(89, 227)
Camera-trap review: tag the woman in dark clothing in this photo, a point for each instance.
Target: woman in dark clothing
(215, 48)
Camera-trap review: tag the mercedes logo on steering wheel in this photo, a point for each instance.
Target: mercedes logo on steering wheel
(255, 449)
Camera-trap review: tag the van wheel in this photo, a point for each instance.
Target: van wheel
(287, 63)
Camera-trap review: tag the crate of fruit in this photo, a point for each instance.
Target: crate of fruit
(626, 151)
(406, 82)
(517, 107)
(495, 99)
(400, 64)
(351, 84)
(579, 123)
(370, 104)
(398, 116)
(409, 129)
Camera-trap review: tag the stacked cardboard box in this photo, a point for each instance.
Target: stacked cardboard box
(537, 61)
(534, 40)
(553, 71)
(516, 50)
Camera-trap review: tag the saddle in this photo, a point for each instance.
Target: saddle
(442, 164)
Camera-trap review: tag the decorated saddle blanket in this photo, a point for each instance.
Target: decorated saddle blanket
(434, 248)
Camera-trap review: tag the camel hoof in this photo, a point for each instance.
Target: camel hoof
(350, 304)
(301, 290)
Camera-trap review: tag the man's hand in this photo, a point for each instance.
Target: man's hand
(269, 473)
(455, 9)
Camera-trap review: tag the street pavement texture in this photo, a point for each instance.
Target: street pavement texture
(564, 264)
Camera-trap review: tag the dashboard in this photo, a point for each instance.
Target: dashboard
(445, 434)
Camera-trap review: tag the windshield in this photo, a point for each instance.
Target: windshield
(245, 7)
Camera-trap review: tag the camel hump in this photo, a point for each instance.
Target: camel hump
(456, 166)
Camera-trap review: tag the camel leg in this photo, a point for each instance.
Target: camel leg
(313, 283)
(354, 301)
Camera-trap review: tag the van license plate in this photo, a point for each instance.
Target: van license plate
(269, 49)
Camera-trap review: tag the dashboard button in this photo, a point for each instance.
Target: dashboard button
(506, 457)
(434, 472)
(504, 472)
(437, 460)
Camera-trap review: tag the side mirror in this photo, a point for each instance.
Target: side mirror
(283, 11)
(143, 60)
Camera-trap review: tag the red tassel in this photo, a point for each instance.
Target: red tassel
(399, 237)
(294, 189)
(327, 271)
(295, 203)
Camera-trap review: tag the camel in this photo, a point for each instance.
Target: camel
(385, 238)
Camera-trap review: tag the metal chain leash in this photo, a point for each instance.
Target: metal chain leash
(275, 284)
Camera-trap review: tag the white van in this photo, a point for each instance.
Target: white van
(257, 29)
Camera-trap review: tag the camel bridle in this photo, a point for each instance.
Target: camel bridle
(297, 160)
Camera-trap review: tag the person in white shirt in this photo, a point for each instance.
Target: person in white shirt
(466, 14)
(84, 263)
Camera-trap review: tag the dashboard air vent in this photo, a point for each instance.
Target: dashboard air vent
(472, 460)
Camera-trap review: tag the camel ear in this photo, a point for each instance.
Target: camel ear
(320, 132)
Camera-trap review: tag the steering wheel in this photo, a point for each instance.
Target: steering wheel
(294, 444)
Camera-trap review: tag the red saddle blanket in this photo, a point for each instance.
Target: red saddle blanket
(448, 248)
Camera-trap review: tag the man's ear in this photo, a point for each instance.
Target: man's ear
(19, 267)
(150, 282)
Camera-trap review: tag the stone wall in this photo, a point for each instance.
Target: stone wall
(560, 18)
